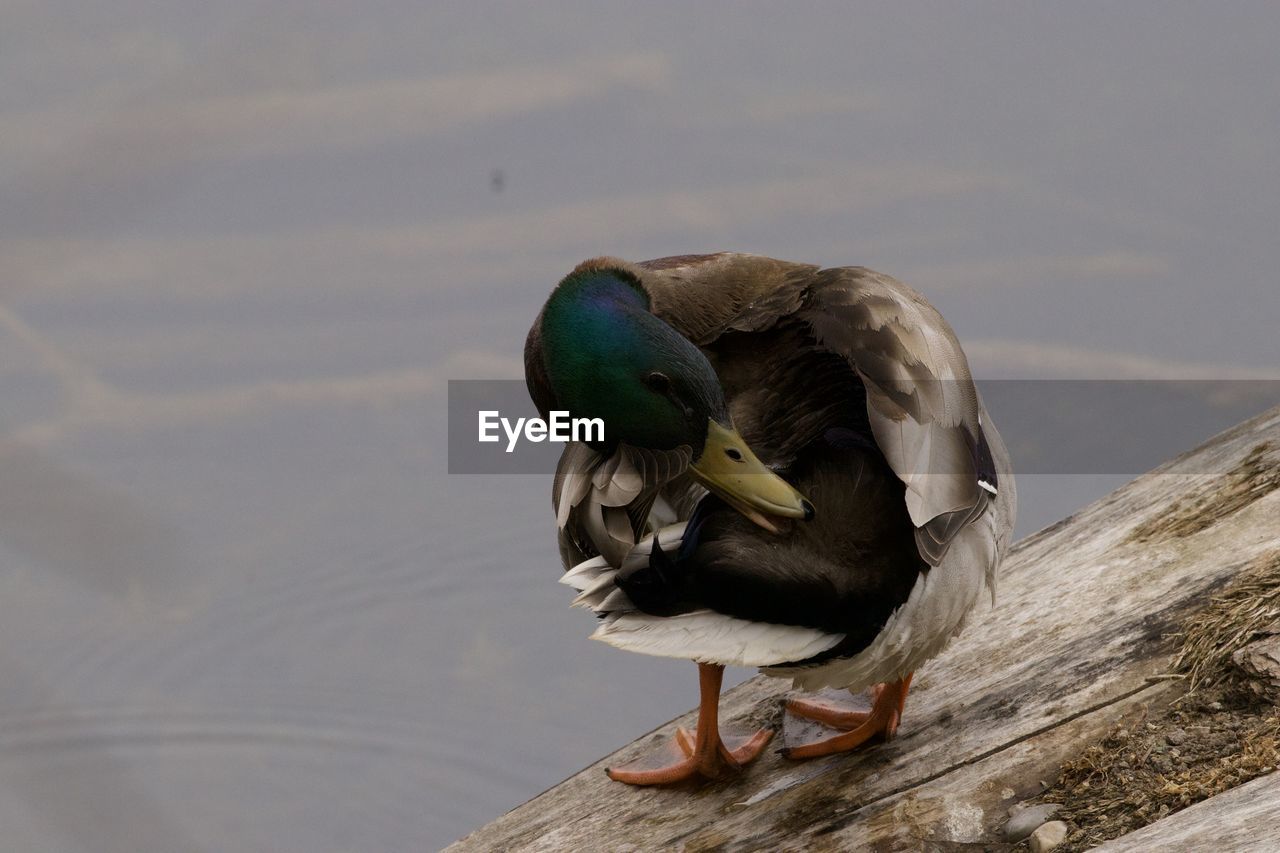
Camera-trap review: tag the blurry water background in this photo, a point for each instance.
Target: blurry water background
(243, 246)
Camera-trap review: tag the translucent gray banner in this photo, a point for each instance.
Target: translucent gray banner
(1051, 426)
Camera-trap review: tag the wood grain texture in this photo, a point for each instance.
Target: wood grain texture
(1080, 629)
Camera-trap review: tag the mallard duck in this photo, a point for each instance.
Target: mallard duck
(798, 474)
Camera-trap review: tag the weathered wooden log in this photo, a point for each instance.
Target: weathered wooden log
(1080, 635)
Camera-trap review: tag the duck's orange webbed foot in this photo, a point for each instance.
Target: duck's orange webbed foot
(705, 754)
(713, 757)
(859, 726)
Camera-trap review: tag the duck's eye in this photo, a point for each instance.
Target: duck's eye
(658, 382)
(733, 453)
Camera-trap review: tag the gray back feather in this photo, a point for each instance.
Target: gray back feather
(602, 503)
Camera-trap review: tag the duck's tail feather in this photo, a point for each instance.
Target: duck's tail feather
(701, 635)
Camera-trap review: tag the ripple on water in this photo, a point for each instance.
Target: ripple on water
(292, 777)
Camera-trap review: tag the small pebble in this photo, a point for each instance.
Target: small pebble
(1048, 836)
(1175, 737)
(1024, 821)
(1215, 706)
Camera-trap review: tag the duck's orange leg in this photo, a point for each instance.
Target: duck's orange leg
(705, 754)
(883, 718)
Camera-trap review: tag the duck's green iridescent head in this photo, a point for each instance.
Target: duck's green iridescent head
(608, 356)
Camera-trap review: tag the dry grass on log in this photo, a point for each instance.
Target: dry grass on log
(1220, 734)
(1244, 612)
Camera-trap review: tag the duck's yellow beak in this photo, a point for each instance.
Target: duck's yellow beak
(729, 468)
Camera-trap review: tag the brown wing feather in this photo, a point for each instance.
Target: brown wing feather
(703, 296)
